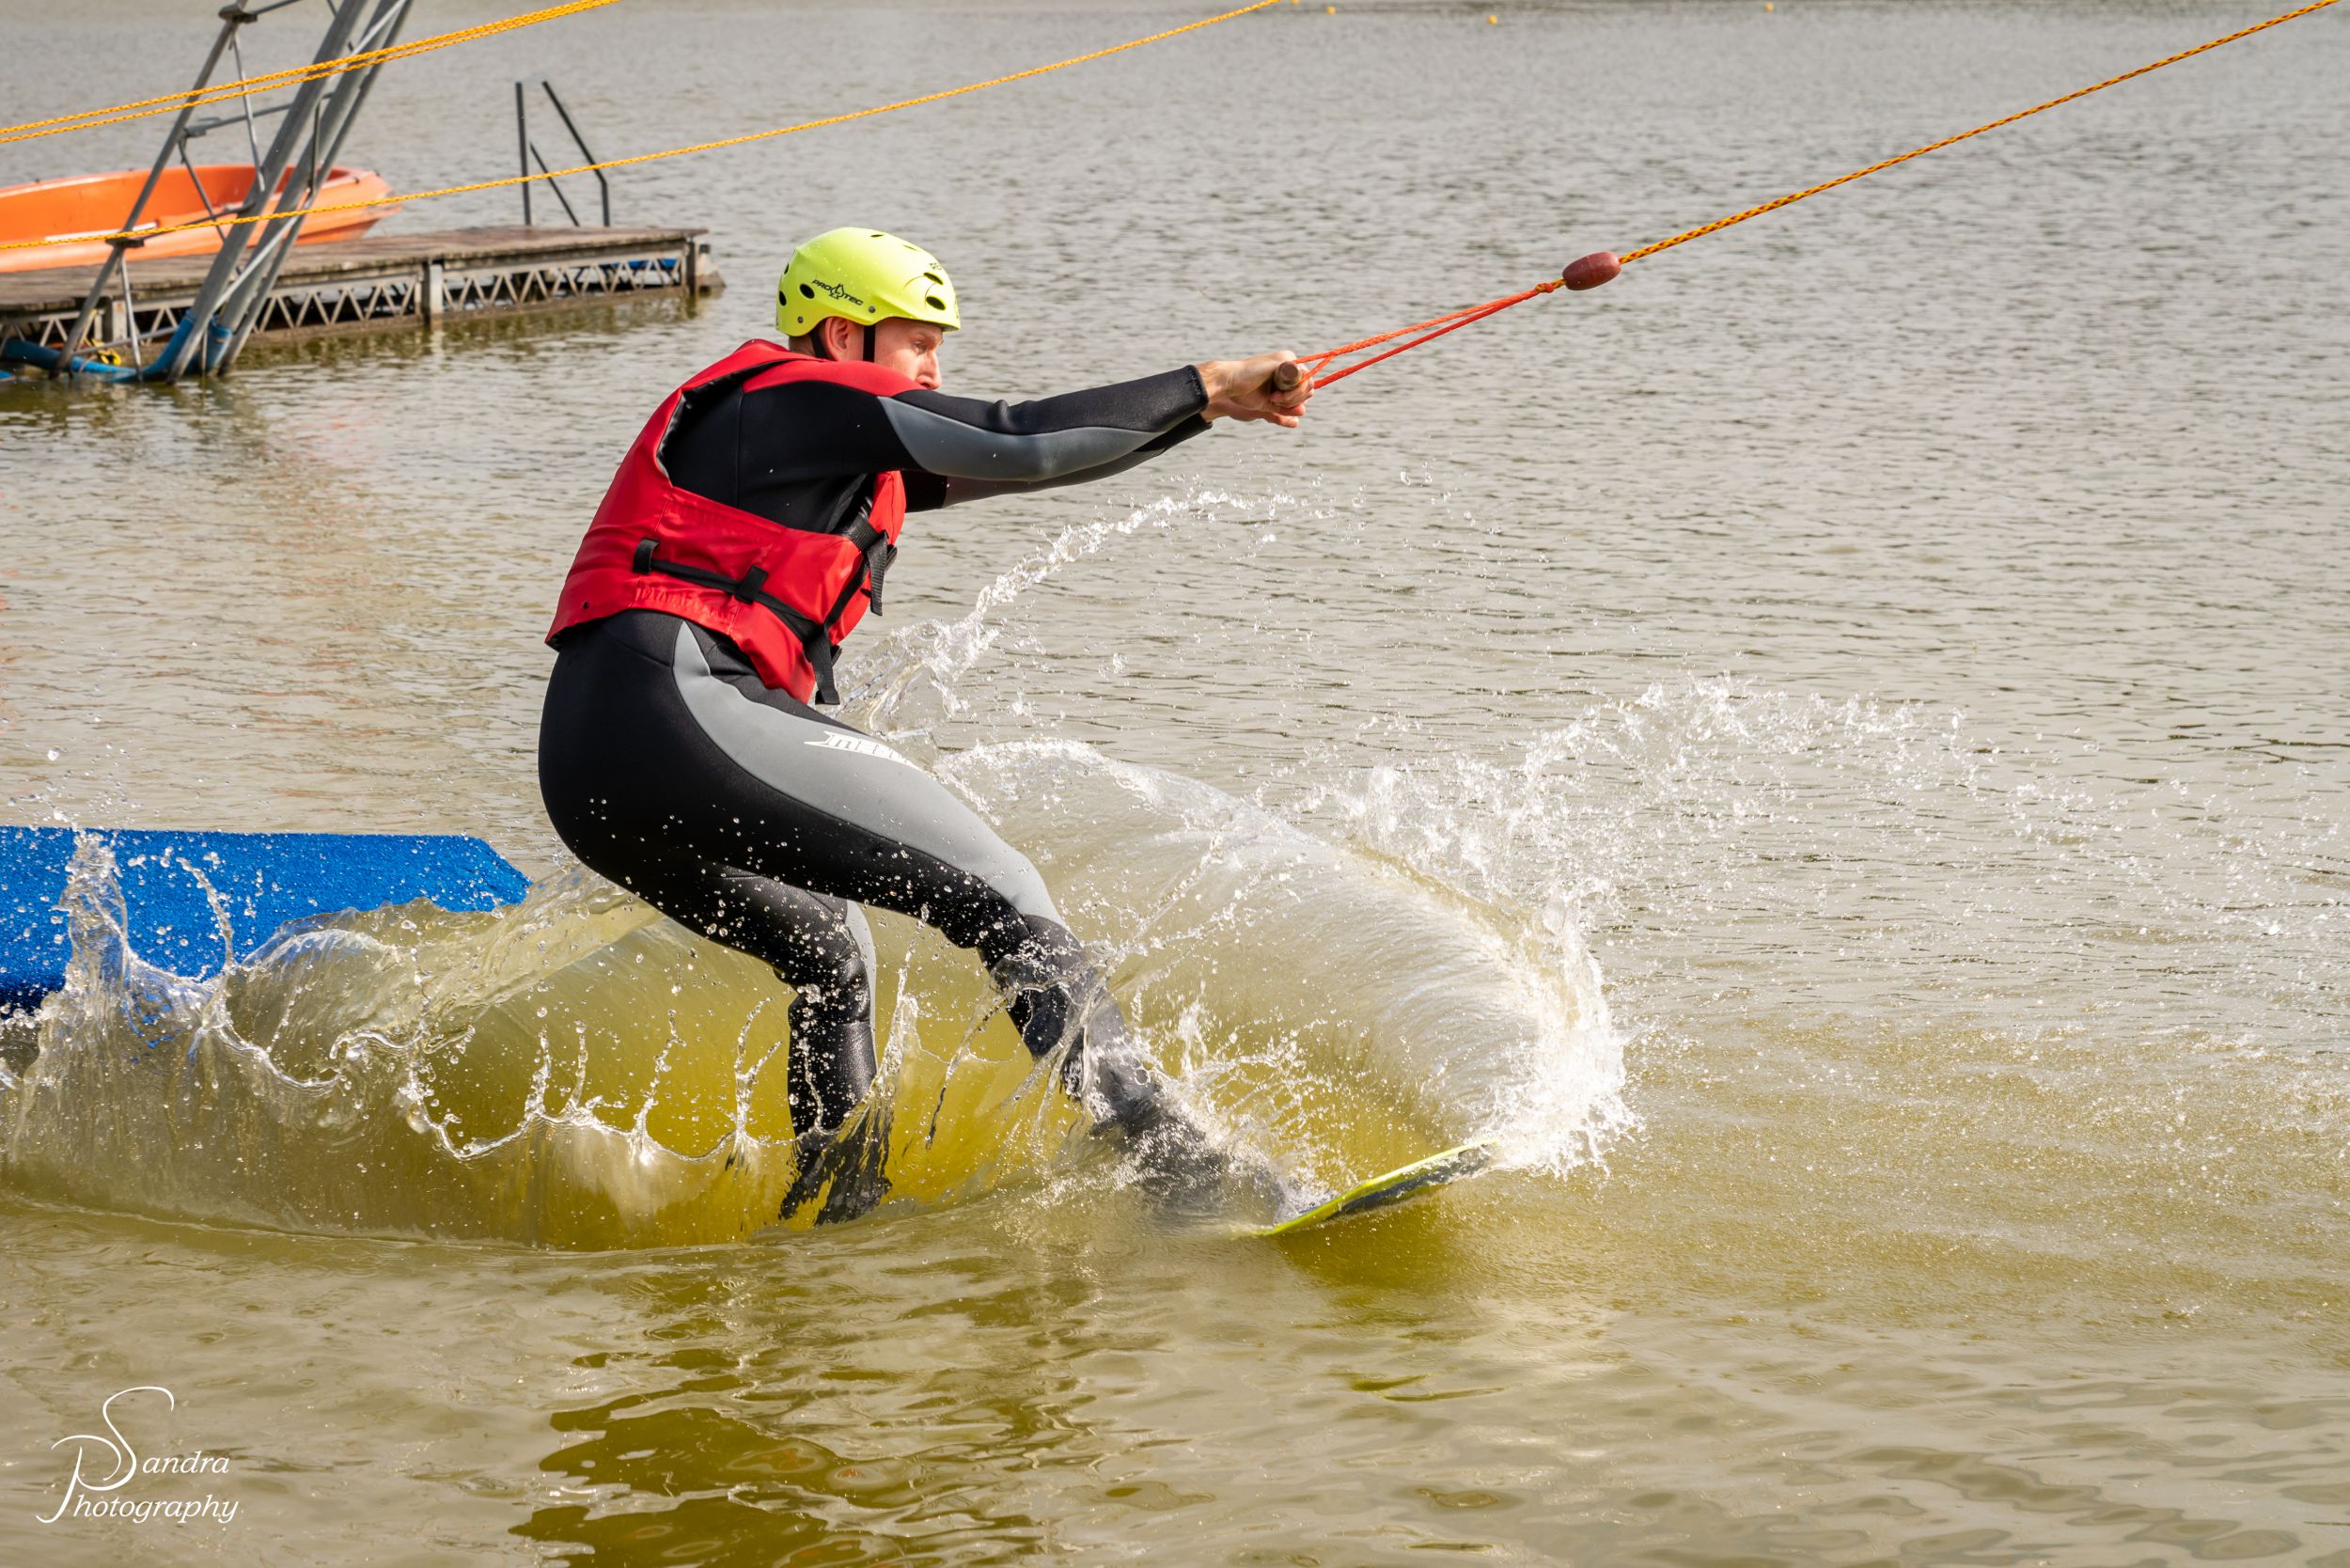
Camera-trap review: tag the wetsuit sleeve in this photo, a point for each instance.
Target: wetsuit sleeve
(872, 423)
(1052, 438)
(928, 491)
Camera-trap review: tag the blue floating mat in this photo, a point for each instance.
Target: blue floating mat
(263, 880)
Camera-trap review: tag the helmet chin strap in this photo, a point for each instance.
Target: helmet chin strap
(823, 348)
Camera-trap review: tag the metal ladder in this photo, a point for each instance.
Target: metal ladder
(531, 156)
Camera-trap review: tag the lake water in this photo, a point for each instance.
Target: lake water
(1835, 746)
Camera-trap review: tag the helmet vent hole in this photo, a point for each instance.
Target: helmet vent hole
(934, 302)
(807, 292)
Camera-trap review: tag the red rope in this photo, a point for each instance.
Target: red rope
(1361, 343)
(1453, 322)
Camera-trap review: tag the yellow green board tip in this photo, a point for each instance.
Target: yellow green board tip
(1450, 1164)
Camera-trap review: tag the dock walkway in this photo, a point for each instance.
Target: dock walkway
(391, 280)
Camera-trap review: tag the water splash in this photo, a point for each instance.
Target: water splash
(1723, 842)
(920, 671)
(578, 1072)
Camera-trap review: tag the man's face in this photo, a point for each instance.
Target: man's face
(911, 348)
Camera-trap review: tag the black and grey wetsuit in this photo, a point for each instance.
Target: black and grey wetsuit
(668, 766)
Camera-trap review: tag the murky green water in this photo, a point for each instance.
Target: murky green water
(1835, 745)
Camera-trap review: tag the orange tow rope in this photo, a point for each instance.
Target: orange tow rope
(1596, 269)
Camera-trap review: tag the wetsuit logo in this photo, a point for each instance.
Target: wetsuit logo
(863, 747)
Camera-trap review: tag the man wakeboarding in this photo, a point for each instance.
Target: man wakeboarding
(748, 532)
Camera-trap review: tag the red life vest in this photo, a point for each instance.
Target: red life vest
(787, 597)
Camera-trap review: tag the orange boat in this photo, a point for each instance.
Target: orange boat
(86, 205)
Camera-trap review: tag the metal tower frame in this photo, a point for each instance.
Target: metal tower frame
(315, 120)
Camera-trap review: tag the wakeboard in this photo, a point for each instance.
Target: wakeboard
(1450, 1164)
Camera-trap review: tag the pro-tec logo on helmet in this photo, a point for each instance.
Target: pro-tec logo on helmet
(838, 292)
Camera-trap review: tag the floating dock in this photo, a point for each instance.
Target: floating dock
(391, 280)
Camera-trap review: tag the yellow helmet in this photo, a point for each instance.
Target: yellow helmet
(866, 275)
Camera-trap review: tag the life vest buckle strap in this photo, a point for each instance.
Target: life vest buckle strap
(751, 588)
(875, 547)
(877, 559)
(819, 650)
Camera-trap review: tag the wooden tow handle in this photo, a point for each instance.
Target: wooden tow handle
(1287, 374)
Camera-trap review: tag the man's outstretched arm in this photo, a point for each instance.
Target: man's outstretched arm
(955, 448)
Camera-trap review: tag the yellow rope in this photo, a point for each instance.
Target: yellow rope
(672, 152)
(293, 75)
(1719, 223)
